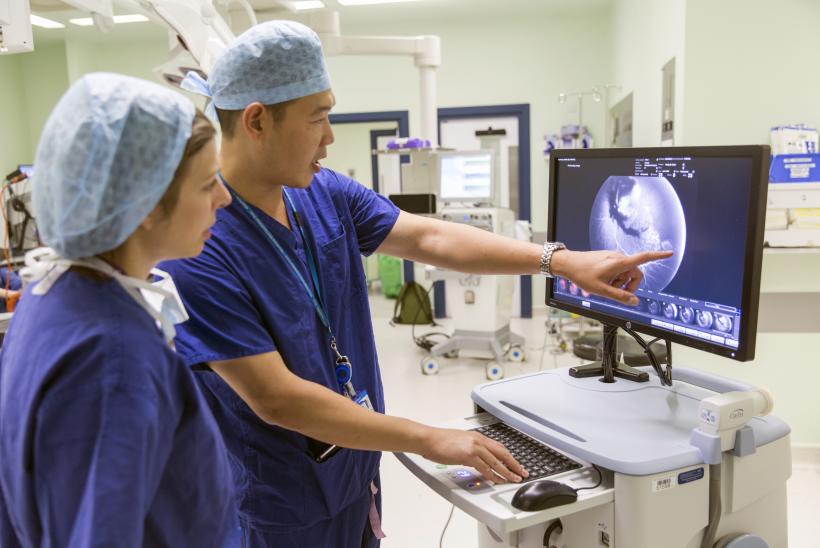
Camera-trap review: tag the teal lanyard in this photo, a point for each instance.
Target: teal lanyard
(343, 368)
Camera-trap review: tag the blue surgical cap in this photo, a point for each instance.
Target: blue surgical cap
(106, 156)
(271, 63)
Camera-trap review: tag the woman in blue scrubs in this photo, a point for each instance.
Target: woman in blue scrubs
(105, 439)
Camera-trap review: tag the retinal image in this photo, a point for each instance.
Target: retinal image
(633, 214)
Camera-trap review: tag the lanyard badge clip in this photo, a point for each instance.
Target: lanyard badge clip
(344, 376)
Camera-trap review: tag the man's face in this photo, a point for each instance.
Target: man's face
(299, 141)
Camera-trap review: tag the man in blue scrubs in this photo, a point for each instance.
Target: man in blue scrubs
(279, 310)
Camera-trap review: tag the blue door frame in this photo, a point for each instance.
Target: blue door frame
(402, 120)
(522, 113)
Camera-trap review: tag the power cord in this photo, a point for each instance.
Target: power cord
(715, 509)
(600, 480)
(664, 375)
(553, 527)
(446, 524)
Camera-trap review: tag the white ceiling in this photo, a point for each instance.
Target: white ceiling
(417, 8)
(433, 10)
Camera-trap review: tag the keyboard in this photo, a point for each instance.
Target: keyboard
(538, 459)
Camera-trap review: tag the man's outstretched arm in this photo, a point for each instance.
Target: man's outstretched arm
(468, 249)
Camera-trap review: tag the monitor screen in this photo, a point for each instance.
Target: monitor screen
(466, 176)
(706, 204)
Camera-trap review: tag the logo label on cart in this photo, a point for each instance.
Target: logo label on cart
(663, 484)
(691, 475)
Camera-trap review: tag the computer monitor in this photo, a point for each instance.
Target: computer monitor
(465, 176)
(706, 204)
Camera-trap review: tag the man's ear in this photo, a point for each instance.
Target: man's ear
(254, 120)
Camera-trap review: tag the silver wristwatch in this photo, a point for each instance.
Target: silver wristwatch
(546, 257)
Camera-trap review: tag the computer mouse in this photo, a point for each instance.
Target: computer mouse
(543, 494)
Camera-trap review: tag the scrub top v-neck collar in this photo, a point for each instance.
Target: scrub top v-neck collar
(288, 236)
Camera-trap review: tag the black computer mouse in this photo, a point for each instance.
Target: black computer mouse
(543, 494)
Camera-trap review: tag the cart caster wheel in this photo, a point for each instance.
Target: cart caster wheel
(516, 354)
(451, 354)
(494, 371)
(429, 366)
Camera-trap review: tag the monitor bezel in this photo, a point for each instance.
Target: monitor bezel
(470, 199)
(750, 291)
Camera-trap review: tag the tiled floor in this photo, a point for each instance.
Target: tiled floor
(414, 515)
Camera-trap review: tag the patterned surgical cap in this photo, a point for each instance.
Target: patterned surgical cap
(271, 63)
(106, 156)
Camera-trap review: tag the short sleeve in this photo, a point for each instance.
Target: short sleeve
(373, 214)
(224, 322)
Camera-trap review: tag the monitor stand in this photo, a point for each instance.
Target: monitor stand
(609, 367)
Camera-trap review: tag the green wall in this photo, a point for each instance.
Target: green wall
(44, 80)
(15, 147)
(32, 83)
(750, 65)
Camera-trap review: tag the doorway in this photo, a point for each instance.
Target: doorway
(457, 128)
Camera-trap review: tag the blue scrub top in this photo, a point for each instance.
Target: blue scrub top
(244, 300)
(105, 438)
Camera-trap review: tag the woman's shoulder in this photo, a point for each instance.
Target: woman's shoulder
(92, 318)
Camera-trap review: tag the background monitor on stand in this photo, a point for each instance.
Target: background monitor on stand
(466, 177)
(707, 204)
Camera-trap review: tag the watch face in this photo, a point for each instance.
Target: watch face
(546, 256)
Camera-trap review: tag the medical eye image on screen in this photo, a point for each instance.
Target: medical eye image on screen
(634, 214)
(695, 206)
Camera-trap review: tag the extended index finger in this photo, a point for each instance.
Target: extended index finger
(646, 257)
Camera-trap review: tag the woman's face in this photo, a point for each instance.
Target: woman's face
(182, 232)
